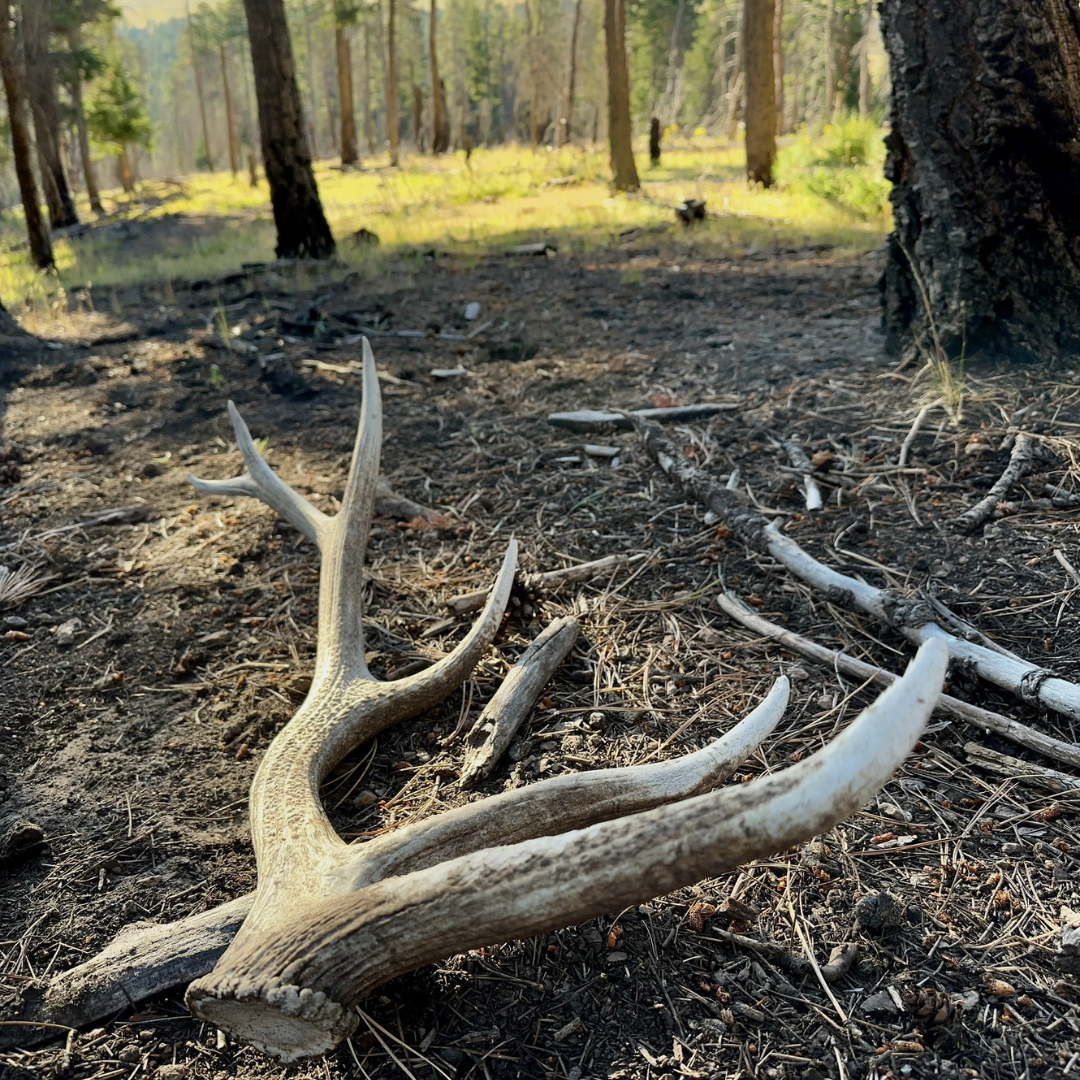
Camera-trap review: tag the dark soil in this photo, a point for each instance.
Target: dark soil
(158, 656)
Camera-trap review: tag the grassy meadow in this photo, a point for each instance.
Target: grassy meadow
(829, 191)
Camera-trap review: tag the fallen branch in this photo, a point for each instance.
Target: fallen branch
(548, 581)
(497, 725)
(388, 503)
(797, 456)
(1021, 734)
(912, 618)
(1023, 771)
(1021, 460)
(590, 419)
(840, 961)
(917, 423)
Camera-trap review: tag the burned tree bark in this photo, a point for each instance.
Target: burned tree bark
(757, 32)
(302, 231)
(985, 162)
(37, 229)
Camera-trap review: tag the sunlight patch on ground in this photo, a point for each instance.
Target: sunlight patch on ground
(212, 224)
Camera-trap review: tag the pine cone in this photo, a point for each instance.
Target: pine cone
(932, 1009)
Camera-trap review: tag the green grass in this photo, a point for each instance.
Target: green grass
(829, 192)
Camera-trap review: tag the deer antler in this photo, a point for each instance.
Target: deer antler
(330, 922)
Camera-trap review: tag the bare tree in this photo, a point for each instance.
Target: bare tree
(196, 48)
(302, 231)
(345, 15)
(440, 118)
(567, 126)
(620, 133)
(757, 32)
(985, 164)
(74, 37)
(230, 111)
(37, 229)
(41, 91)
(392, 132)
(864, 60)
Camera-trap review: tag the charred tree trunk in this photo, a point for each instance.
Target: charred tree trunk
(440, 119)
(985, 162)
(349, 155)
(392, 132)
(302, 231)
(623, 170)
(654, 141)
(41, 88)
(37, 229)
(89, 172)
(757, 32)
(230, 113)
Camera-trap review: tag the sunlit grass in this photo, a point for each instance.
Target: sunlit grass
(212, 224)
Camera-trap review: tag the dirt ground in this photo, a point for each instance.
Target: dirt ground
(150, 659)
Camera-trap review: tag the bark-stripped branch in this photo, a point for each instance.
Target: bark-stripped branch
(1021, 461)
(913, 618)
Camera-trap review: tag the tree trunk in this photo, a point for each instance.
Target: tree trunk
(531, 35)
(654, 141)
(230, 114)
(369, 125)
(41, 88)
(440, 119)
(623, 171)
(302, 231)
(349, 155)
(778, 63)
(830, 60)
(80, 122)
(568, 120)
(864, 61)
(392, 81)
(757, 31)
(9, 328)
(985, 162)
(200, 95)
(36, 228)
(735, 86)
(123, 171)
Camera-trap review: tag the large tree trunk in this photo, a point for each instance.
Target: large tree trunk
(757, 31)
(369, 124)
(230, 113)
(41, 88)
(302, 231)
(36, 228)
(349, 155)
(985, 161)
(568, 120)
(392, 81)
(440, 118)
(623, 170)
(92, 191)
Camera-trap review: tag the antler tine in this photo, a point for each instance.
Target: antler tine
(292, 991)
(261, 482)
(562, 803)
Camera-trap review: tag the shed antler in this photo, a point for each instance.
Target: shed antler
(330, 921)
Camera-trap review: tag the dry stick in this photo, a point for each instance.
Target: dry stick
(548, 581)
(905, 446)
(590, 419)
(388, 503)
(913, 618)
(797, 455)
(497, 725)
(1024, 771)
(1021, 460)
(1021, 734)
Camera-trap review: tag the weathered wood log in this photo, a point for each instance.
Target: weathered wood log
(1021, 461)
(1024, 771)
(508, 709)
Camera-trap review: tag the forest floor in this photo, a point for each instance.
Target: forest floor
(150, 659)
